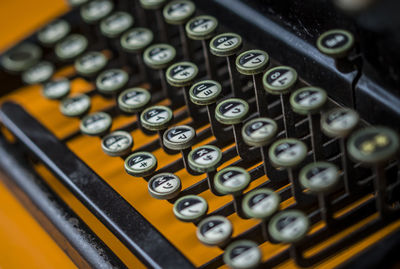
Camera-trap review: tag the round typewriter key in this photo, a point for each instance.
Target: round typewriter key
(96, 124)
(206, 93)
(178, 12)
(206, 159)
(96, 10)
(321, 178)
(233, 180)
(56, 89)
(38, 73)
(134, 100)
(110, 81)
(141, 164)
(227, 45)
(90, 63)
(118, 143)
(53, 32)
(340, 122)
(289, 226)
(181, 138)
(309, 101)
(115, 24)
(152, 4)
(136, 39)
(21, 57)
(203, 28)
(157, 118)
(243, 254)
(190, 208)
(76, 3)
(75, 106)
(260, 132)
(71, 47)
(164, 186)
(335, 43)
(232, 112)
(261, 204)
(253, 63)
(182, 75)
(214, 231)
(156, 6)
(280, 80)
(158, 57)
(289, 153)
(375, 146)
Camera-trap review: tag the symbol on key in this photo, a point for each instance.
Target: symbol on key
(118, 143)
(203, 28)
(164, 186)
(214, 231)
(141, 164)
(242, 254)
(227, 45)
(178, 13)
(281, 80)
(206, 159)
(190, 208)
(310, 101)
(233, 180)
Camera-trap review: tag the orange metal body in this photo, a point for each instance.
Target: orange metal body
(29, 240)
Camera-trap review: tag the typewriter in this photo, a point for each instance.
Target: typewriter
(209, 134)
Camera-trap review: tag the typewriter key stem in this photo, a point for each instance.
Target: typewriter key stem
(316, 137)
(162, 27)
(234, 76)
(289, 122)
(209, 61)
(184, 42)
(216, 127)
(261, 96)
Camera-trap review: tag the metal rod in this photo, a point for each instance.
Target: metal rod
(261, 96)
(161, 26)
(184, 42)
(347, 167)
(288, 116)
(233, 77)
(210, 181)
(314, 122)
(209, 61)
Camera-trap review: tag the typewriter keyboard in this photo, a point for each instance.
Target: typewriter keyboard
(181, 143)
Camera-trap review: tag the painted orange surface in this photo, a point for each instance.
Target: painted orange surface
(24, 244)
